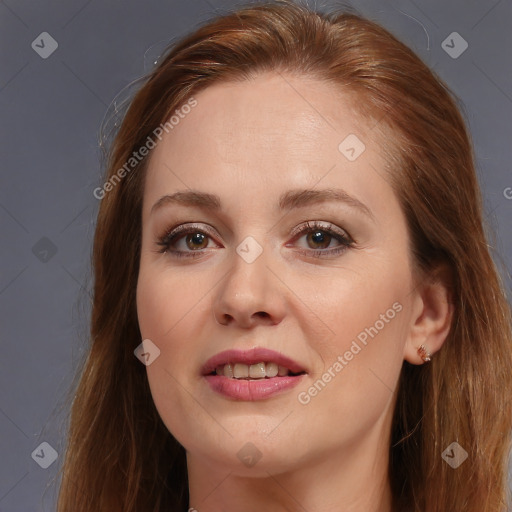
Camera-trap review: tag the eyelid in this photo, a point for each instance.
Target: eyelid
(190, 226)
(321, 225)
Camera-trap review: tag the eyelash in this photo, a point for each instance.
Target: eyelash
(174, 235)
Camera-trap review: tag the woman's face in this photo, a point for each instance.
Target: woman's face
(335, 296)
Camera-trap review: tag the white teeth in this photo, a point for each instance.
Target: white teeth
(257, 371)
(253, 371)
(240, 371)
(272, 369)
(228, 370)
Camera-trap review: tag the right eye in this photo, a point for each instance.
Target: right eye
(193, 240)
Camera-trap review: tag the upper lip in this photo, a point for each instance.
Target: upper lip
(252, 356)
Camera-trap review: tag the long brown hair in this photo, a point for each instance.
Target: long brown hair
(121, 457)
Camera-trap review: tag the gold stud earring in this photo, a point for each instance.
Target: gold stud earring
(424, 354)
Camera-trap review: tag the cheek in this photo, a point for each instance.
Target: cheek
(371, 318)
(169, 314)
(353, 392)
(362, 355)
(174, 312)
(359, 301)
(166, 299)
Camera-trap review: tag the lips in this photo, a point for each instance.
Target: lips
(262, 374)
(251, 357)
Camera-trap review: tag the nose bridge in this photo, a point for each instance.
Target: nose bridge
(247, 276)
(249, 290)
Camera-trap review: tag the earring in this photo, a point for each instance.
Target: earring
(424, 354)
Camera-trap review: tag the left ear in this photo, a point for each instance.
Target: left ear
(432, 314)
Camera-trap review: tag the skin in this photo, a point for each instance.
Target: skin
(248, 143)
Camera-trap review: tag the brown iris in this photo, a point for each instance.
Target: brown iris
(196, 238)
(319, 237)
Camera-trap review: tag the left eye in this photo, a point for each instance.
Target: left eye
(322, 238)
(318, 238)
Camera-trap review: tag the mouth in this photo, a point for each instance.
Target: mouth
(251, 375)
(257, 371)
(254, 364)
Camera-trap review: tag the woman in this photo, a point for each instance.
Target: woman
(290, 240)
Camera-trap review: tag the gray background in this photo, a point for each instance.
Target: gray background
(51, 113)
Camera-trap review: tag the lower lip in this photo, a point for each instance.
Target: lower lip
(251, 390)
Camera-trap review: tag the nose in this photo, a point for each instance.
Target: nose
(249, 294)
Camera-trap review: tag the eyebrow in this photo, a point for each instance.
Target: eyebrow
(290, 200)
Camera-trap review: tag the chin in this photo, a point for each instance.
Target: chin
(245, 453)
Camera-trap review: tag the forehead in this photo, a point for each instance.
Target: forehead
(271, 106)
(272, 132)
